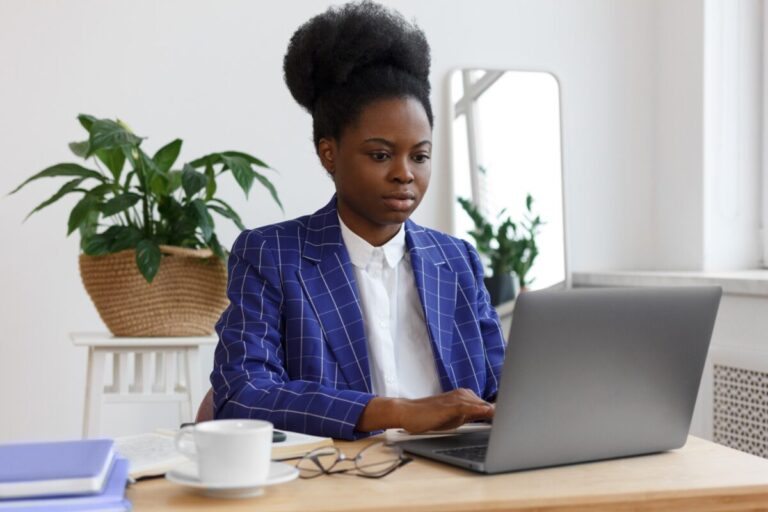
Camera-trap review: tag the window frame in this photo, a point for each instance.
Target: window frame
(764, 174)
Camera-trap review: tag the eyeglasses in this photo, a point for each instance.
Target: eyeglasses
(374, 461)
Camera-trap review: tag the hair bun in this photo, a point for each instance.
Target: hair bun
(328, 50)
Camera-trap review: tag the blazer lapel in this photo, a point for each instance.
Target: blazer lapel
(328, 279)
(437, 286)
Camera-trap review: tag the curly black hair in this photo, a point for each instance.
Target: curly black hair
(350, 56)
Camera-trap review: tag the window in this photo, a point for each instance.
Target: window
(764, 223)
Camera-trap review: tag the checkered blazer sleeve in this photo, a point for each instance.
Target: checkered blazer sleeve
(490, 328)
(249, 377)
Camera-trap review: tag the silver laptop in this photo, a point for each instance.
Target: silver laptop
(591, 374)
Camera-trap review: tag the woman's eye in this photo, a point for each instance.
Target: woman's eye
(379, 156)
(420, 158)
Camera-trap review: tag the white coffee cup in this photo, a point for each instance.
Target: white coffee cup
(228, 452)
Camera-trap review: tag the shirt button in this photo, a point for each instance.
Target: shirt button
(389, 380)
(383, 324)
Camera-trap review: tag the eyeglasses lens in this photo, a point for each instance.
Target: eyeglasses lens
(317, 462)
(378, 459)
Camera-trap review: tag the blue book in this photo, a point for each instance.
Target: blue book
(111, 499)
(55, 468)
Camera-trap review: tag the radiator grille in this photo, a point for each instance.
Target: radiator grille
(740, 409)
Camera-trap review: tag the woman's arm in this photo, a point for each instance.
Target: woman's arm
(494, 346)
(249, 376)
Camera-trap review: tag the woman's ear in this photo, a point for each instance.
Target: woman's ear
(326, 150)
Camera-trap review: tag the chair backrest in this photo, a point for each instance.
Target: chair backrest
(205, 411)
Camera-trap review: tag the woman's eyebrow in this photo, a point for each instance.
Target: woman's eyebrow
(391, 144)
(380, 141)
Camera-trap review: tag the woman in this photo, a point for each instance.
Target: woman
(355, 319)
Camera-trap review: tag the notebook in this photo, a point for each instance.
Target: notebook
(111, 499)
(297, 444)
(54, 468)
(154, 454)
(151, 454)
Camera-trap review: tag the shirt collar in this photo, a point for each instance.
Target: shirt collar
(361, 252)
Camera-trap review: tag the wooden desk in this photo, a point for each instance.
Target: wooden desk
(702, 477)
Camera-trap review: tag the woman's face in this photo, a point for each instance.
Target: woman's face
(380, 166)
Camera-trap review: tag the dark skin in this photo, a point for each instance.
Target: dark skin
(380, 166)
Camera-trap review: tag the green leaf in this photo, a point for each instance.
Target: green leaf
(216, 247)
(170, 209)
(149, 168)
(86, 121)
(68, 187)
(119, 203)
(203, 217)
(88, 228)
(268, 185)
(226, 211)
(104, 188)
(114, 159)
(179, 223)
(158, 184)
(192, 181)
(125, 237)
(128, 178)
(148, 259)
(108, 134)
(209, 159)
(132, 155)
(174, 182)
(96, 245)
(167, 155)
(248, 158)
(528, 202)
(210, 187)
(62, 170)
(81, 210)
(79, 148)
(242, 172)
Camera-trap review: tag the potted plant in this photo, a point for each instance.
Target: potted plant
(509, 249)
(151, 261)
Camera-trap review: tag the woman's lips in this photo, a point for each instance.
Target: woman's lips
(400, 202)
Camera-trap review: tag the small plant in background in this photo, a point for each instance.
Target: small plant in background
(147, 203)
(510, 247)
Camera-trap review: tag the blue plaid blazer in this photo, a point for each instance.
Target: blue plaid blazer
(292, 347)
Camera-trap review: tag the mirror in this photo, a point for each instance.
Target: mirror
(506, 144)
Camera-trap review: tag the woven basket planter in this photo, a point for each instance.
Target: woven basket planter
(186, 297)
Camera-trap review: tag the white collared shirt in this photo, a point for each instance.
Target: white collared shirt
(400, 353)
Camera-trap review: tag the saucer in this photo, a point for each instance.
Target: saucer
(186, 475)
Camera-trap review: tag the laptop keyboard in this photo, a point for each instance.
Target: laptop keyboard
(473, 453)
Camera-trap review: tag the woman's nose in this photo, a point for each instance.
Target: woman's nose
(401, 171)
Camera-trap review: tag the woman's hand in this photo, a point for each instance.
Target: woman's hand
(440, 412)
(445, 411)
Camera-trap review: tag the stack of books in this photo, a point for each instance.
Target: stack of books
(65, 475)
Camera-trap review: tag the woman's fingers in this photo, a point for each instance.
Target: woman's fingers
(475, 412)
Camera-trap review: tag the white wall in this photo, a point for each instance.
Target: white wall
(210, 73)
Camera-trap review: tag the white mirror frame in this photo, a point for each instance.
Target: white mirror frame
(491, 76)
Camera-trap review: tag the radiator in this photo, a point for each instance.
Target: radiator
(739, 399)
